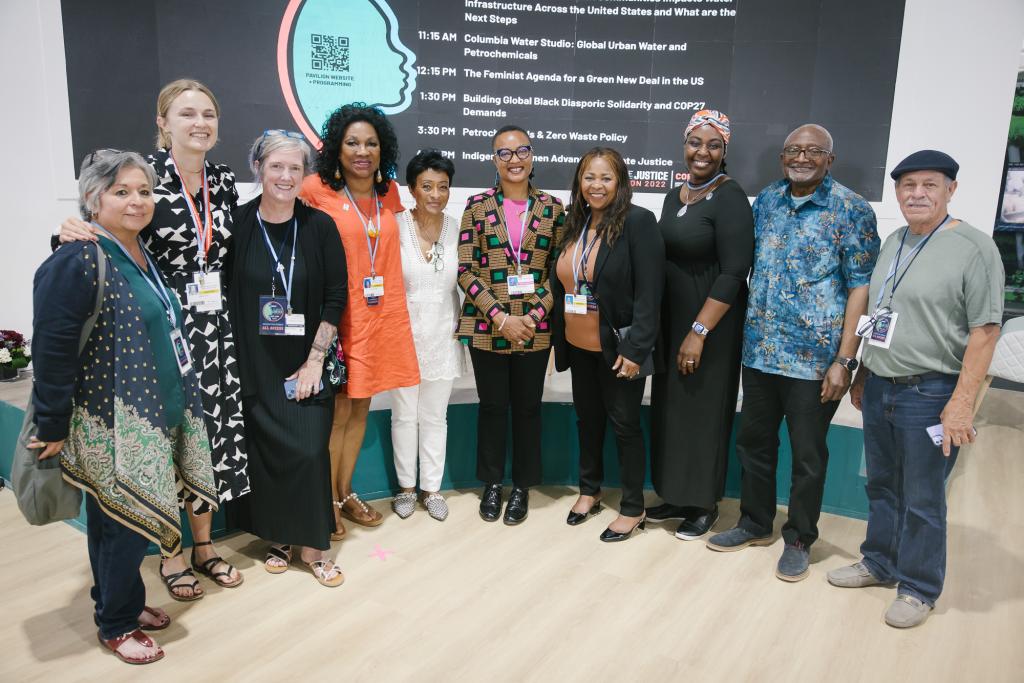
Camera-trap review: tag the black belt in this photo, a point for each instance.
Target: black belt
(914, 380)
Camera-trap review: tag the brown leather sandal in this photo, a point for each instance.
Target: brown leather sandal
(339, 527)
(165, 619)
(114, 643)
(363, 514)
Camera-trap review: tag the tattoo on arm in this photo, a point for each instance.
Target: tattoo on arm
(324, 336)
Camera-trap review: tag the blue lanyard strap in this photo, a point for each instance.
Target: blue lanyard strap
(577, 268)
(153, 278)
(911, 257)
(701, 187)
(372, 248)
(278, 268)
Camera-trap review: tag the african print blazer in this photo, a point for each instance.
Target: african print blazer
(486, 261)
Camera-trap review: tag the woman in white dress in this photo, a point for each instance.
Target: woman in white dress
(419, 423)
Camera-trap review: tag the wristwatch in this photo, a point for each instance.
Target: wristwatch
(850, 364)
(699, 329)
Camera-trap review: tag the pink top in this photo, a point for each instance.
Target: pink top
(514, 212)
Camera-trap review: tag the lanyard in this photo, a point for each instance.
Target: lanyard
(911, 256)
(582, 265)
(204, 234)
(153, 278)
(517, 251)
(367, 224)
(701, 187)
(278, 268)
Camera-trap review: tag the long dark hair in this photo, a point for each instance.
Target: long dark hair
(327, 161)
(614, 216)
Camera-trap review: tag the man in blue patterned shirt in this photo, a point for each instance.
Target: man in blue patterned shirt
(816, 244)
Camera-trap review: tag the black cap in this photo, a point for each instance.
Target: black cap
(927, 160)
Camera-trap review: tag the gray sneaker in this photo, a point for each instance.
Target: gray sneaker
(793, 563)
(404, 504)
(436, 506)
(736, 538)
(906, 611)
(856, 575)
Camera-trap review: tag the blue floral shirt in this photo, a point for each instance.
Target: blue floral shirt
(806, 258)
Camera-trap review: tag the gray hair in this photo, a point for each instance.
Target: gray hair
(279, 141)
(99, 172)
(818, 129)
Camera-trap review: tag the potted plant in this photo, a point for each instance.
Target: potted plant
(14, 354)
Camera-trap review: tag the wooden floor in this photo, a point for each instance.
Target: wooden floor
(469, 601)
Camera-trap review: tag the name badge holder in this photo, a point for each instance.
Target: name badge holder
(582, 300)
(879, 327)
(519, 284)
(203, 294)
(155, 280)
(275, 313)
(373, 286)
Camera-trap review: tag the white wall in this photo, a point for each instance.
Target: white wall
(954, 87)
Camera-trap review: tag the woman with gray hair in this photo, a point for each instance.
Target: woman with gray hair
(124, 413)
(287, 288)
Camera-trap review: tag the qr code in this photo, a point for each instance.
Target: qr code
(329, 53)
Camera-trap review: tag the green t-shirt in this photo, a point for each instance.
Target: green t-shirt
(954, 284)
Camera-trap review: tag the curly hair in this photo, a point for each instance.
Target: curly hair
(614, 216)
(333, 133)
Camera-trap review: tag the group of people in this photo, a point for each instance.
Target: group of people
(230, 352)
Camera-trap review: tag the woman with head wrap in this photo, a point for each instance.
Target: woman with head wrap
(708, 230)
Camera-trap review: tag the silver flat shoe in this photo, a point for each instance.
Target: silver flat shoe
(404, 504)
(436, 506)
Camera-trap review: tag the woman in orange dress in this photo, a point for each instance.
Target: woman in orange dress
(354, 170)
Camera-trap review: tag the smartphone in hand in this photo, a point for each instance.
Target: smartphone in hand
(290, 384)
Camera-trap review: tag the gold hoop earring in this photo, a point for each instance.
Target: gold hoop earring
(380, 178)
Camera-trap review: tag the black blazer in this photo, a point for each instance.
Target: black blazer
(628, 281)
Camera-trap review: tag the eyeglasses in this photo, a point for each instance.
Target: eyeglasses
(713, 146)
(812, 153)
(505, 154)
(97, 155)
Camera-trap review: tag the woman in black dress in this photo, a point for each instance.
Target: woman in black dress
(708, 230)
(288, 288)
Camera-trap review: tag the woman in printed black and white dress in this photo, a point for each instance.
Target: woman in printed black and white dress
(187, 240)
(419, 424)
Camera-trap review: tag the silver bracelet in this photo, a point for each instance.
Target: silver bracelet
(503, 322)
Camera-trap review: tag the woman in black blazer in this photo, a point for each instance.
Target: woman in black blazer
(607, 287)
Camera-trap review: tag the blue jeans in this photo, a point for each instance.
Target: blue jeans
(115, 553)
(906, 487)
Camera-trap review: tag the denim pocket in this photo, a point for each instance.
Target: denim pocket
(933, 389)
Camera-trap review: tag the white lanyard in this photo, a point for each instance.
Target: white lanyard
(366, 229)
(278, 268)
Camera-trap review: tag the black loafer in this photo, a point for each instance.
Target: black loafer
(490, 502)
(575, 518)
(666, 512)
(518, 506)
(693, 528)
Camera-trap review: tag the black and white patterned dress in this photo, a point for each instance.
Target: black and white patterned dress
(171, 239)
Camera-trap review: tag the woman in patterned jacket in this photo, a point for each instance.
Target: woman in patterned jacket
(508, 234)
(189, 238)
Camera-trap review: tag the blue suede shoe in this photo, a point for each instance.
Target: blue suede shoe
(736, 538)
(793, 565)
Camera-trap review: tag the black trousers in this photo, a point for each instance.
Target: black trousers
(766, 400)
(599, 396)
(503, 381)
(115, 553)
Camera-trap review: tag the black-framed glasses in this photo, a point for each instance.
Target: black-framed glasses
(437, 249)
(281, 131)
(813, 153)
(505, 154)
(96, 155)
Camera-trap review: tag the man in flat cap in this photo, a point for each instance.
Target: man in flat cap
(815, 246)
(936, 301)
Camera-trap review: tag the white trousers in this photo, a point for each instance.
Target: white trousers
(419, 432)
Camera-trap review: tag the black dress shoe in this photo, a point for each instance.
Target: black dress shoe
(575, 518)
(609, 536)
(696, 526)
(666, 512)
(490, 502)
(518, 506)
